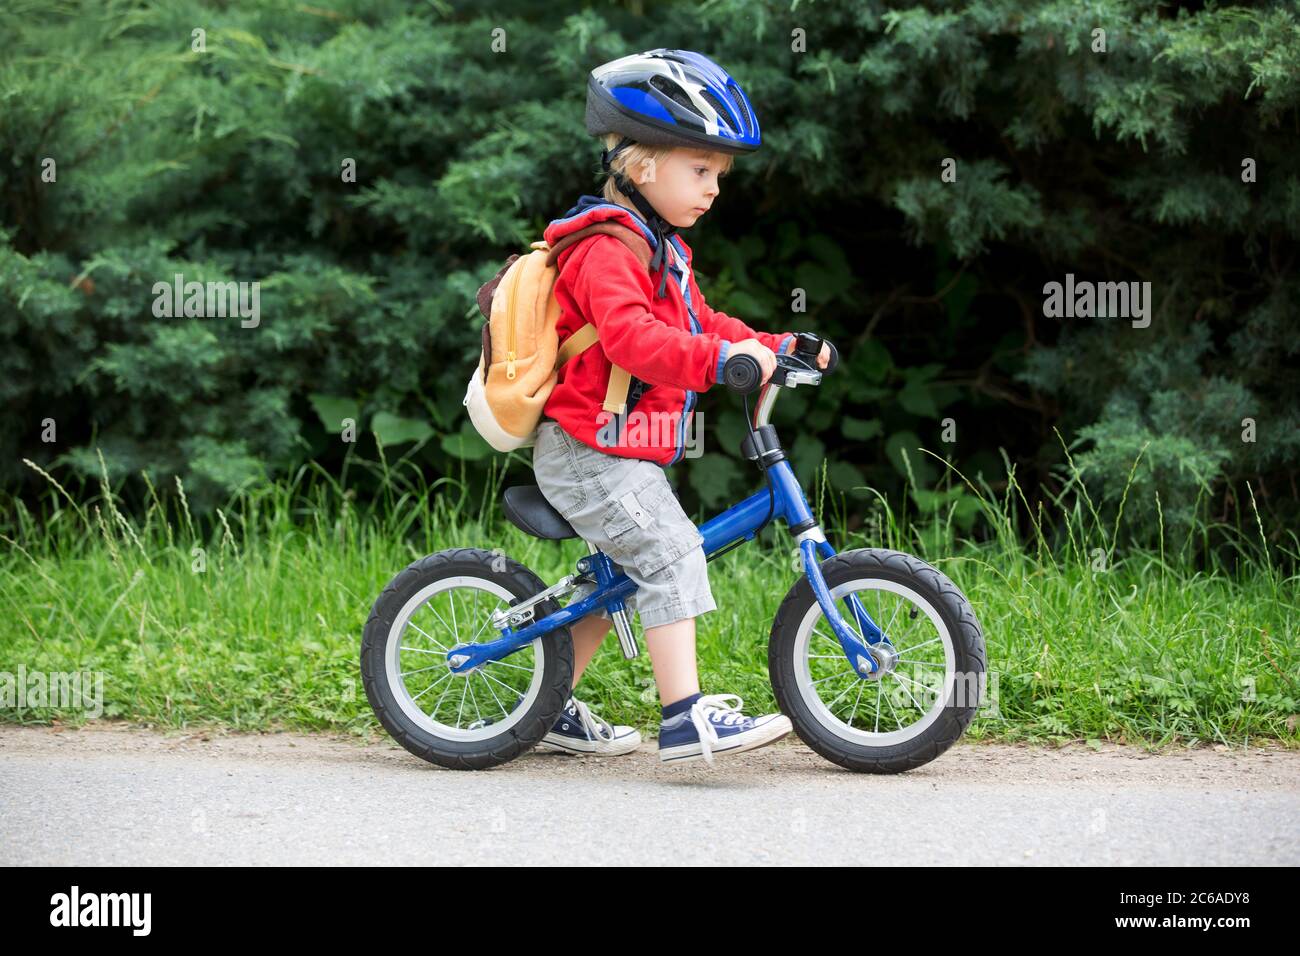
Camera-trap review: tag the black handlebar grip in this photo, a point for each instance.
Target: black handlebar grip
(742, 373)
(834, 360)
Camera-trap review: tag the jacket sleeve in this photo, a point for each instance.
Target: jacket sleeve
(612, 289)
(734, 330)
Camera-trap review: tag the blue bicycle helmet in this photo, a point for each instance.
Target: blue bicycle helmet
(667, 98)
(671, 98)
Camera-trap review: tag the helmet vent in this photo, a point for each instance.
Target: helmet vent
(722, 111)
(740, 105)
(670, 89)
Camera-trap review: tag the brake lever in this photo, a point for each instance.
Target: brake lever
(788, 364)
(801, 363)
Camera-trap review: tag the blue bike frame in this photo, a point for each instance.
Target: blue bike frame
(739, 522)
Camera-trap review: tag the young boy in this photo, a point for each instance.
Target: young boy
(673, 121)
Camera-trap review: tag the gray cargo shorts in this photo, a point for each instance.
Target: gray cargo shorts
(627, 509)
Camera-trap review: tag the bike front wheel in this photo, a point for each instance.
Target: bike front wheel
(923, 699)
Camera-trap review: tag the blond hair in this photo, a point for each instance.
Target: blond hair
(639, 155)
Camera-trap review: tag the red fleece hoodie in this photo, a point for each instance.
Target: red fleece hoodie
(675, 345)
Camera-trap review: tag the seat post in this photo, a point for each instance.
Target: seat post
(622, 622)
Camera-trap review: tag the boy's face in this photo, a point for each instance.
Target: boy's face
(682, 187)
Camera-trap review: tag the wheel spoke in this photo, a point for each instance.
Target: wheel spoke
(433, 685)
(462, 702)
(906, 690)
(405, 674)
(854, 713)
(487, 620)
(495, 697)
(831, 677)
(473, 700)
(440, 621)
(838, 696)
(826, 637)
(438, 706)
(518, 667)
(890, 627)
(919, 646)
(892, 709)
(502, 683)
(426, 634)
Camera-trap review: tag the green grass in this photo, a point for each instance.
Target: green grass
(1086, 640)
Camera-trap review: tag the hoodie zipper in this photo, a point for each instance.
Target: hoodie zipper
(686, 412)
(691, 397)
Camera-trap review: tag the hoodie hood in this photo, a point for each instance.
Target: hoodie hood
(593, 209)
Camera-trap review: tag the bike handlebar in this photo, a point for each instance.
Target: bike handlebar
(743, 374)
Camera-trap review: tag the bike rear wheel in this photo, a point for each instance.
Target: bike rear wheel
(489, 715)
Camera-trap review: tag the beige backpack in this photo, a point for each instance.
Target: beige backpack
(521, 349)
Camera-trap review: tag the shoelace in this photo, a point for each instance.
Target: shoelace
(729, 715)
(592, 724)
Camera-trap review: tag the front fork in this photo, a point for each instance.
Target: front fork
(875, 658)
(871, 660)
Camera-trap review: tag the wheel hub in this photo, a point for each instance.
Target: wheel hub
(886, 656)
(454, 660)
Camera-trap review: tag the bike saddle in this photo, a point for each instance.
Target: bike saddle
(530, 512)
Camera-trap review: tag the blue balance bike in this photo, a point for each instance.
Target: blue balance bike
(875, 656)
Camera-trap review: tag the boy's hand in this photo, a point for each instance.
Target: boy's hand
(753, 347)
(823, 357)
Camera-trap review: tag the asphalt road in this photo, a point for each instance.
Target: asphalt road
(115, 795)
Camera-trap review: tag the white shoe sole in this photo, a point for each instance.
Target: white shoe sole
(760, 736)
(621, 745)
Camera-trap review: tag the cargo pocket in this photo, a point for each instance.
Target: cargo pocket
(646, 526)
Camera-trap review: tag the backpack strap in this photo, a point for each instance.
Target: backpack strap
(575, 343)
(619, 377)
(616, 394)
(629, 237)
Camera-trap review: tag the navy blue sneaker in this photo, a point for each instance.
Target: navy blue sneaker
(580, 731)
(712, 726)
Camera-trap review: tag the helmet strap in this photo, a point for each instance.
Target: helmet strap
(661, 228)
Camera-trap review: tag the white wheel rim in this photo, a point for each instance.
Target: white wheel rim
(434, 633)
(816, 641)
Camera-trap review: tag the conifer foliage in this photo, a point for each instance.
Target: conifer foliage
(349, 172)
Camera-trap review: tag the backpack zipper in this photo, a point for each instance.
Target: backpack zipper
(511, 342)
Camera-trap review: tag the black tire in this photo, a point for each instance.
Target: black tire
(825, 731)
(395, 706)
